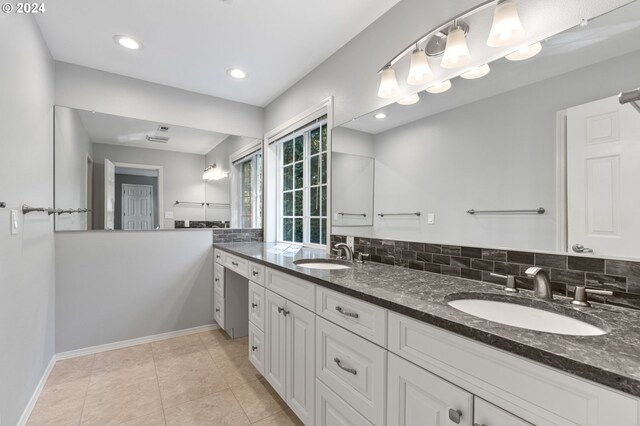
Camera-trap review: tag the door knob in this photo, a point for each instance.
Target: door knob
(579, 248)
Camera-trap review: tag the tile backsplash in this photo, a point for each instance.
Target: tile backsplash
(237, 235)
(477, 263)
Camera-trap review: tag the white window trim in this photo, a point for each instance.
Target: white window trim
(271, 172)
(249, 153)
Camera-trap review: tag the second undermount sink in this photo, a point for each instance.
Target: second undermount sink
(527, 317)
(330, 264)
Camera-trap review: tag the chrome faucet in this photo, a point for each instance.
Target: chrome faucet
(541, 283)
(348, 253)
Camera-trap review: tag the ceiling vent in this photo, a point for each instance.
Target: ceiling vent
(163, 128)
(158, 139)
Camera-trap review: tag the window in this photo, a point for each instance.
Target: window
(302, 185)
(249, 177)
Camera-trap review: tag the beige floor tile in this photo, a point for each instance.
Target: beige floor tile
(214, 337)
(283, 418)
(220, 409)
(258, 400)
(122, 358)
(229, 354)
(177, 346)
(54, 393)
(188, 377)
(123, 404)
(239, 373)
(154, 419)
(69, 370)
(65, 412)
(117, 378)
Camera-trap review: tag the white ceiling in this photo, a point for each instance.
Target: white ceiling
(613, 34)
(131, 132)
(191, 44)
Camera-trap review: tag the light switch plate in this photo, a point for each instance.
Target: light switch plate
(431, 219)
(168, 215)
(14, 222)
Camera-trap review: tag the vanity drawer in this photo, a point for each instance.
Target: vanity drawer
(236, 264)
(362, 318)
(218, 309)
(332, 410)
(218, 279)
(256, 273)
(218, 256)
(354, 368)
(298, 291)
(256, 305)
(256, 348)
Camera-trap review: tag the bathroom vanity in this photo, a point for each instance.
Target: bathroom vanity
(375, 344)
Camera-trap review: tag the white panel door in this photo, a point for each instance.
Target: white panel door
(417, 397)
(486, 414)
(137, 207)
(275, 335)
(109, 194)
(300, 361)
(603, 158)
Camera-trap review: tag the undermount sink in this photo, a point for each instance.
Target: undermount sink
(527, 317)
(327, 264)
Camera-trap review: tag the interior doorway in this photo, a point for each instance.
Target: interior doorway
(137, 207)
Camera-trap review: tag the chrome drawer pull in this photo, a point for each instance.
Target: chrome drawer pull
(235, 264)
(254, 348)
(285, 313)
(217, 279)
(455, 415)
(254, 305)
(217, 309)
(348, 370)
(345, 313)
(280, 309)
(255, 273)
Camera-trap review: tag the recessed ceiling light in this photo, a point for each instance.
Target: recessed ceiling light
(237, 73)
(127, 42)
(380, 115)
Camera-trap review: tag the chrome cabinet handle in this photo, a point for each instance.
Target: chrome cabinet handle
(347, 369)
(281, 310)
(217, 280)
(579, 248)
(217, 309)
(254, 305)
(455, 415)
(254, 348)
(285, 313)
(235, 264)
(345, 313)
(255, 273)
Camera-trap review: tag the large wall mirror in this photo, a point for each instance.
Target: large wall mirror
(120, 173)
(537, 155)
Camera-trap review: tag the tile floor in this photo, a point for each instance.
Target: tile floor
(199, 379)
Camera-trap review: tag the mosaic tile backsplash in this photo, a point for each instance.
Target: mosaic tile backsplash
(476, 263)
(237, 235)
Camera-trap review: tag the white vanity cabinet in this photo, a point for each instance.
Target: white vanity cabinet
(289, 357)
(218, 289)
(486, 414)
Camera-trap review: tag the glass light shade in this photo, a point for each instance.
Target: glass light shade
(525, 53)
(506, 28)
(456, 54)
(440, 87)
(388, 84)
(476, 72)
(410, 99)
(420, 71)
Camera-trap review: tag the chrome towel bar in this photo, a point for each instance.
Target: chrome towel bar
(399, 214)
(352, 214)
(189, 202)
(539, 210)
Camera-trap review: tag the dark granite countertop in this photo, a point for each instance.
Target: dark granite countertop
(612, 359)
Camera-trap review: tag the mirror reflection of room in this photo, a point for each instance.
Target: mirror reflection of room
(131, 174)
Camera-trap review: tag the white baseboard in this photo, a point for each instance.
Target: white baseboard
(36, 393)
(103, 348)
(133, 342)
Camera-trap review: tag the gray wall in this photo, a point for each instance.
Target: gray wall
(122, 179)
(72, 145)
(499, 153)
(26, 173)
(182, 177)
(131, 284)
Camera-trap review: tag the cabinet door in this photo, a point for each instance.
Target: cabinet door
(300, 361)
(417, 397)
(256, 305)
(331, 410)
(218, 278)
(218, 309)
(275, 334)
(486, 414)
(256, 348)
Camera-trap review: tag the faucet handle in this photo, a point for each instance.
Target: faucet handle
(338, 253)
(361, 257)
(511, 282)
(580, 297)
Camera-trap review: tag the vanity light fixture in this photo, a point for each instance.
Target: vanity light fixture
(477, 72)
(506, 28)
(237, 73)
(409, 99)
(420, 71)
(525, 53)
(213, 172)
(380, 116)
(388, 84)
(456, 54)
(440, 87)
(127, 42)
